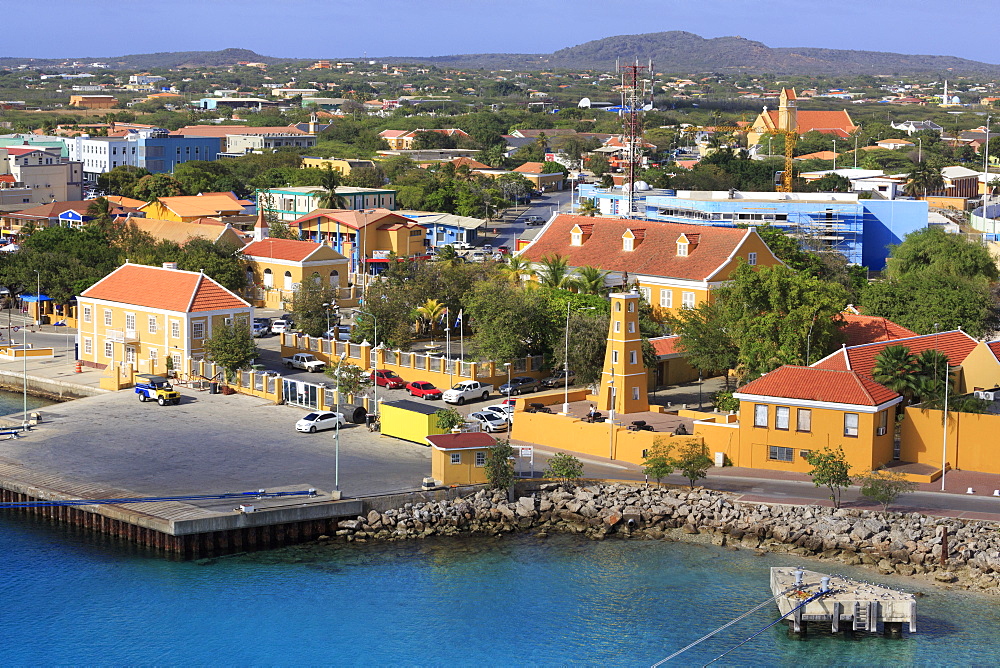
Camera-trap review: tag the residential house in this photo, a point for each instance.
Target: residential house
(541, 180)
(860, 329)
(180, 233)
(258, 142)
(894, 144)
(672, 367)
(280, 266)
(93, 101)
(139, 315)
(917, 126)
(789, 118)
(65, 214)
(189, 208)
(403, 139)
(369, 238)
(792, 411)
(674, 265)
(291, 203)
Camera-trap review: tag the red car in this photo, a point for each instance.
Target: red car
(384, 378)
(421, 388)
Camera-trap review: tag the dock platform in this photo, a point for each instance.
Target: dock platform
(848, 605)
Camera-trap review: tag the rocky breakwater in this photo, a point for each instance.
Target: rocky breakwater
(893, 543)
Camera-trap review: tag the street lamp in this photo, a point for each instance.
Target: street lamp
(507, 364)
(38, 299)
(24, 376)
(611, 417)
(566, 359)
(336, 434)
(375, 345)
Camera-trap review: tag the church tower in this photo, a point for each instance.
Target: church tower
(788, 113)
(260, 229)
(623, 384)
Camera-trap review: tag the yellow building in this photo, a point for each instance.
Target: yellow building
(366, 237)
(280, 266)
(409, 420)
(189, 208)
(788, 118)
(794, 410)
(624, 381)
(460, 459)
(181, 233)
(674, 265)
(343, 167)
(93, 101)
(542, 181)
(137, 316)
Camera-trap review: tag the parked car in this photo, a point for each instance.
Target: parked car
(558, 379)
(385, 378)
(503, 250)
(478, 256)
(462, 245)
(320, 420)
(304, 361)
(506, 411)
(261, 327)
(520, 385)
(508, 401)
(279, 326)
(489, 421)
(421, 388)
(533, 220)
(338, 333)
(467, 390)
(156, 388)
(487, 248)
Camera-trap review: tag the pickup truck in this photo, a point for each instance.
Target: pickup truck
(467, 390)
(303, 361)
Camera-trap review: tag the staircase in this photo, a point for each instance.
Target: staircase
(860, 616)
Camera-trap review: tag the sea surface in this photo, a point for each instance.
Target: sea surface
(12, 403)
(68, 597)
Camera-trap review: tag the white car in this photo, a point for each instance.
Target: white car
(320, 420)
(279, 326)
(489, 421)
(506, 411)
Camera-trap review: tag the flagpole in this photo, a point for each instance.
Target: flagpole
(447, 334)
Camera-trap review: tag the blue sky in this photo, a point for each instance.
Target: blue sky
(351, 28)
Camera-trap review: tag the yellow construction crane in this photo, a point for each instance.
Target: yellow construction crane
(791, 136)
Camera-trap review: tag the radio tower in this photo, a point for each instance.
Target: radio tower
(635, 89)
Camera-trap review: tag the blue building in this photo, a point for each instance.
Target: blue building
(860, 229)
(446, 229)
(154, 149)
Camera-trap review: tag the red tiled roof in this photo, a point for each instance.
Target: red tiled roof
(826, 385)
(21, 150)
(956, 346)
(828, 122)
(167, 289)
(292, 250)
(665, 345)
(358, 219)
(463, 441)
(994, 347)
(861, 329)
(469, 162)
(655, 256)
(529, 168)
(221, 131)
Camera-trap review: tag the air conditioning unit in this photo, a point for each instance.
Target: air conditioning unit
(986, 396)
(881, 431)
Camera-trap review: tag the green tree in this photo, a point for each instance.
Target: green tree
(352, 380)
(692, 461)
(554, 272)
(898, 369)
(831, 470)
(588, 333)
(221, 261)
(591, 281)
(499, 467)
(657, 463)
(923, 179)
(933, 249)
(921, 300)
(311, 316)
(509, 322)
(588, 207)
(152, 187)
(884, 487)
(279, 229)
(121, 180)
(232, 347)
(448, 418)
(564, 467)
(704, 338)
(328, 197)
(598, 165)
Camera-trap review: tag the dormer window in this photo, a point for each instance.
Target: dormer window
(628, 244)
(579, 234)
(682, 248)
(632, 238)
(576, 238)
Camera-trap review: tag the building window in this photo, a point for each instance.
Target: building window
(781, 417)
(687, 300)
(851, 424)
(198, 330)
(628, 244)
(177, 361)
(152, 324)
(268, 279)
(88, 346)
(760, 415)
(175, 329)
(288, 280)
(631, 357)
(682, 249)
(780, 454)
(803, 420)
(480, 459)
(635, 394)
(647, 294)
(109, 349)
(751, 259)
(614, 357)
(631, 328)
(152, 357)
(456, 458)
(87, 314)
(576, 239)
(107, 317)
(666, 298)
(130, 322)
(618, 326)
(883, 423)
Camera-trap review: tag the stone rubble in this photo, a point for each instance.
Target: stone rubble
(893, 543)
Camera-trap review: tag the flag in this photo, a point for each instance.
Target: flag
(443, 321)
(458, 321)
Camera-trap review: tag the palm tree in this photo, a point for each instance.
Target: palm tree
(516, 268)
(100, 211)
(449, 256)
(588, 207)
(922, 179)
(554, 273)
(898, 369)
(591, 281)
(428, 314)
(329, 181)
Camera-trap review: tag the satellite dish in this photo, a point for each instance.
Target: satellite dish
(641, 185)
(648, 106)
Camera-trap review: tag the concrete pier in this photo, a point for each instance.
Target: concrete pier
(849, 606)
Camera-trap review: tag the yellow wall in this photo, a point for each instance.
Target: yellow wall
(278, 297)
(341, 166)
(403, 242)
(979, 370)
(673, 372)
(464, 473)
(972, 440)
(408, 425)
(750, 449)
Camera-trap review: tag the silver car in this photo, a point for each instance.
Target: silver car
(489, 421)
(320, 420)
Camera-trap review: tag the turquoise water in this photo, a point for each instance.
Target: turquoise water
(72, 598)
(13, 403)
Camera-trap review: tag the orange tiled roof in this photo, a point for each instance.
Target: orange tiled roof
(655, 256)
(357, 219)
(826, 385)
(818, 155)
(827, 122)
(861, 329)
(463, 441)
(530, 168)
(469, 162)
(956, 346)
(167, 289)
(665, 345)
(291, 250)
(206, 205)
(994, 347)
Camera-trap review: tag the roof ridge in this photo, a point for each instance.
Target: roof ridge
(194, 293)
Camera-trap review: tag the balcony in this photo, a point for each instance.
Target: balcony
(122, 336)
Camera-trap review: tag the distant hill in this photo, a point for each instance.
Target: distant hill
(678, 51)
(675, 51)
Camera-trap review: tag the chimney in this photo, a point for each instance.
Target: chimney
(170, 265)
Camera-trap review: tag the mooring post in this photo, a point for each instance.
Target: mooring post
(837, 607)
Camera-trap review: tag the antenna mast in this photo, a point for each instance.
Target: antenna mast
(635, 90)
